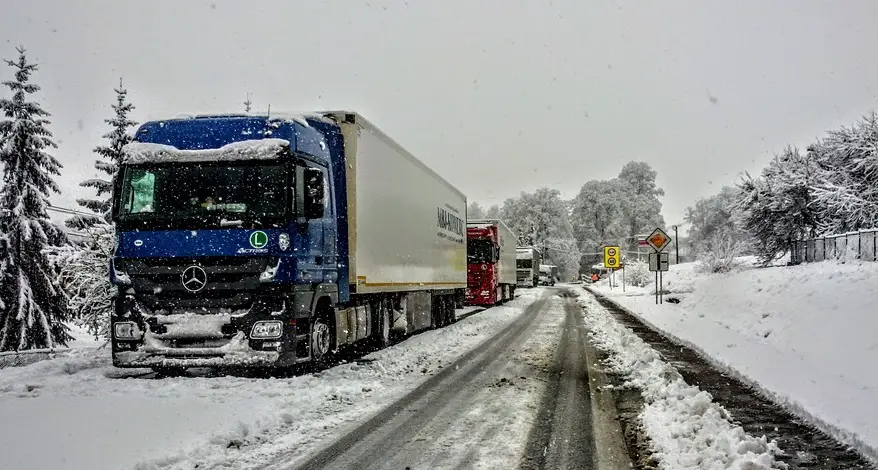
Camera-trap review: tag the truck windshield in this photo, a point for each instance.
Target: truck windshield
(479, 251)
(201, 195)
(524, 263)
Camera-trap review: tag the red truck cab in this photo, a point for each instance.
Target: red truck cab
(488, 260)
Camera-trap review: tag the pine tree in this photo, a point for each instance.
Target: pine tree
(108, 163)
(32, 305)
(247, 104)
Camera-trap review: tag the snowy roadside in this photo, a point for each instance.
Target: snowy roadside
(803, 335)
(94, 420)
(687, 430)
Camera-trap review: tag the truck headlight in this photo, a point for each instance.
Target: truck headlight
(283, 242)
(266, 330)
(126, 330)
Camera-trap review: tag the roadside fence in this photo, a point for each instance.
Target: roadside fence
(861, 245)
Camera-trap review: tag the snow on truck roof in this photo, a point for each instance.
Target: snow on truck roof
(261, 149)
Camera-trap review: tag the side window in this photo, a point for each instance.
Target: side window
(140, 193)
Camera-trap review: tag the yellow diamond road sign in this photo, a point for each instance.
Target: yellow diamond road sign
(658, 239)
(612, 257)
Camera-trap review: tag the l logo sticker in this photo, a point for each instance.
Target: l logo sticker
(258, 239)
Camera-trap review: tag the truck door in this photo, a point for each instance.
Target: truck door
(321, 234)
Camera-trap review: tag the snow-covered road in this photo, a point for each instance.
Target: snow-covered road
(77, 413)
(475, 413)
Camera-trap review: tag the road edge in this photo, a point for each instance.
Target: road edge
(611, 451)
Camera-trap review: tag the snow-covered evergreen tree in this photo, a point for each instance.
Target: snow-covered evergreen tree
(109, 158)
(248, 104)
(778, 206)
(32, 304)
(845, 182)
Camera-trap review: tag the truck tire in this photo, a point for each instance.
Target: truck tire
(381, 335)
(449, 310)
(321, 339)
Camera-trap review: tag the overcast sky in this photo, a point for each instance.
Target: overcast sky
(498, 96)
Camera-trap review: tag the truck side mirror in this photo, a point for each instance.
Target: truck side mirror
(314, 193)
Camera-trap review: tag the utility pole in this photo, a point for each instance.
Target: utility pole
(676, 246)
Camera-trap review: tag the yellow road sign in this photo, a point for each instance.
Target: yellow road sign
(612, 257)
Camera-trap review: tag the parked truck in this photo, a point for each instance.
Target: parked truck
(548, 275)
(527, 263)
(491, 262)
(269, 241)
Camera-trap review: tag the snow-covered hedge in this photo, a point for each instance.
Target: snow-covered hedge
(637, 273)
(83, 274)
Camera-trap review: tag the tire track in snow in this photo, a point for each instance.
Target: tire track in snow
(408, 430)
(563, 437)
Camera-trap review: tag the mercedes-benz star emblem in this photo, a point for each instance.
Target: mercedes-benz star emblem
(194, 278)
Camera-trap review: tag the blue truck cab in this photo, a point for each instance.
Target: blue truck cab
(236, 243)
(225, 232)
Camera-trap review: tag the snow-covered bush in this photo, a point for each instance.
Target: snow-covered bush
(83, 274)
(637, 273)
(720, 253)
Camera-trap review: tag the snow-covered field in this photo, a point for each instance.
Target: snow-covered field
(687, 430)
(805, 335)
(78, 412)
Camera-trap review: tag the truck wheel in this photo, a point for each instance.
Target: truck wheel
(381, 335)
(438, 311)
(321, 339)
(452, 314)
(449, 310)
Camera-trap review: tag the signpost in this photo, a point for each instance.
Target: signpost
(658, 261)
(612, 257)
(612, 261)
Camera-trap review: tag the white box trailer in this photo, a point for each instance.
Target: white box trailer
(406, 224)
(527, 266)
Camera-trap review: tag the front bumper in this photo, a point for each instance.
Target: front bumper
(207, 339)
(480, 296)
(235, 353)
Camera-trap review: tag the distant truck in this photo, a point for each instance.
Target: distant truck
(548, 275)
(266, 241)
(527, 262)
(491, 262)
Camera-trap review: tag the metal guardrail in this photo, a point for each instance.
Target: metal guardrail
(861, 245)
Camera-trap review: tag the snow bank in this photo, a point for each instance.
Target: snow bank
(804, 335)
(687, 430)
(259, 149)
(97, 417)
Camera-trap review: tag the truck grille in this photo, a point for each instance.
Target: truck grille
(231, 282)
